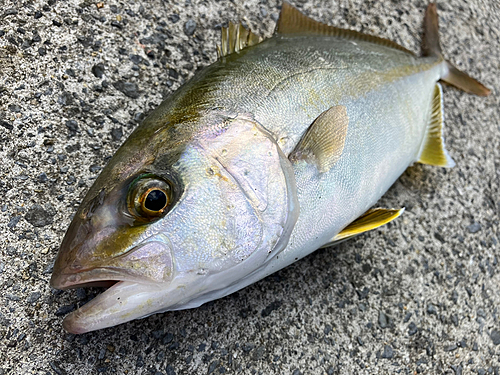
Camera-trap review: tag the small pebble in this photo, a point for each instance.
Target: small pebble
(34, 297)
(98, 70)
(495, 337)
(388, 352)
(474, 228)
(174, 18)
(213, 366)
(382, 320)
(10, 12)
(116, 134)
(66, 309)
(431, 309)
(270, 308)
(167, 339)
(130, 89)
(450, 348)
(136, 59)
(38, 216)
(190, 27)
(412, 329)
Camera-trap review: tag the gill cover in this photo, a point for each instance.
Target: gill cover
(253, 159)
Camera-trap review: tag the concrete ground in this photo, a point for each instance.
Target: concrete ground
(417, 296)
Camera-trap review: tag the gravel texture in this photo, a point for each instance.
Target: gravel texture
(420, 295)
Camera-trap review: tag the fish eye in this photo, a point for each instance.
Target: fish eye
(156, 200)
(149, 197)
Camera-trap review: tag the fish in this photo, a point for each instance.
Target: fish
(280, 147)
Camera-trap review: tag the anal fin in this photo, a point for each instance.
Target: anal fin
(433, 150)
(323, 142)
(371, 219)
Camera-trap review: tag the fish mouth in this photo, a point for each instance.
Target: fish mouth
(132, 280)
(121, 302)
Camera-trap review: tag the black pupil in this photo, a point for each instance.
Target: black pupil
(155, 200)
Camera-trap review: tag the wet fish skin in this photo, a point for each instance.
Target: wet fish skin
(243, 202)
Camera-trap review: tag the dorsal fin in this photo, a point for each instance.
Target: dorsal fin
(234, 38)
(433, 150)
(292, 21)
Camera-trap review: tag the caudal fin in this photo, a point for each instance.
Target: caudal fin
(431, 47)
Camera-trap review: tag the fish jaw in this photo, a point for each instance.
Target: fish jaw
(126, 301)
(129, 300)
(134, 279)
(122, 302)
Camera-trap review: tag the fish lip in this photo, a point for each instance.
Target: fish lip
(122, 302)
(94, 314)
(77, 321)
(75, 276)
(85, 278)
(73, 322)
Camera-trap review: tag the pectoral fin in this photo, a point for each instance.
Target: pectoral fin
(324, 141)
(370, 220)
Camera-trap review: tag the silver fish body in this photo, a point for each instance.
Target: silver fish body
(299, 78)
(238, 175)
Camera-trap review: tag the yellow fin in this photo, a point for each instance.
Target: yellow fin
(433, 151)
(324, 141)
(292, 21)
(234, 38)
(371, 219)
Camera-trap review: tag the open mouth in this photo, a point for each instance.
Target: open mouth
(121, 297)
(96, 284)
(132, 279)
(118, 302)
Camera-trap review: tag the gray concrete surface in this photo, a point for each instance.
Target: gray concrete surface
(417, 296)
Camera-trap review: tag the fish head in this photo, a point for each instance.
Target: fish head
(176, 219)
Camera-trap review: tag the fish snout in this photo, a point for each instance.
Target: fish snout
(99, 256)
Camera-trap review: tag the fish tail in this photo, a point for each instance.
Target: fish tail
(431, 47)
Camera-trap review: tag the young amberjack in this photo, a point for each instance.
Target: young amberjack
(279, 148)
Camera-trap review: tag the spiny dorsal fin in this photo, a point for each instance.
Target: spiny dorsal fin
(324, 141)
(292, 21)
(369, 220)
(234, 38)
(433, 151)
